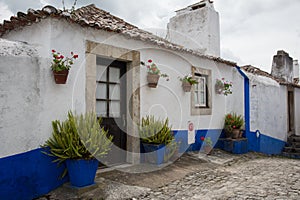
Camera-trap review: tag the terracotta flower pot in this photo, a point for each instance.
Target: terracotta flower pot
(207, 149)
(61, 76)
(235, 133)
(186, 86)
(152, 80)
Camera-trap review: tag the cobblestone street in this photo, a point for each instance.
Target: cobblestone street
(263, 178)
(197, 176)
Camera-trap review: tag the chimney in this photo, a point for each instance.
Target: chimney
(196, 27)
(282, 67)
(296, 71)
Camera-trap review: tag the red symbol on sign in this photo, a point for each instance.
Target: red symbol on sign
(191, 126)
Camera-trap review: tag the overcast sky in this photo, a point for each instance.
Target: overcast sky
(251, 30)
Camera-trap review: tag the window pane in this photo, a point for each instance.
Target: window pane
(202, 99)
(200, 92)
(101, 108)
(101, 91)
(114, 110)
(114, 75)
(114, 92)
(101, 73)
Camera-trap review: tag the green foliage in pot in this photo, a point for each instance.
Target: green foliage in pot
(78, 137)
(233, 121)
(154, 131)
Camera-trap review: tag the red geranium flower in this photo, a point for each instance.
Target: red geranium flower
(150, 61)
(53, 51)
(61, 57)
(75, 56)
(202, 138)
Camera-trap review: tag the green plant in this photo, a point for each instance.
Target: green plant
(78, 137)
(153, 69)
(233, 121)
(226, 85)
(188, 79)
(154, 131)
(60, 63)
(207, 141)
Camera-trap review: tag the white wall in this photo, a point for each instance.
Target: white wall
(56, 100)
(196, 29)
(268, 107)
(297, 110)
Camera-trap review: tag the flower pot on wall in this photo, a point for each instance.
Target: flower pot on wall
(219, 88)
(61, 76)
(82, 172)
(152, 80)
(186, 86)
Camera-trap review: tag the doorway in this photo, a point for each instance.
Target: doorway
(111, 106)
(291, 112)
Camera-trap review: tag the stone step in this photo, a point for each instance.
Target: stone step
(291, 155)
(294, 138)
(291, 150)
(293, 144)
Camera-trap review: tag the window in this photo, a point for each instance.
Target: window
(200, 92)
(201, 103)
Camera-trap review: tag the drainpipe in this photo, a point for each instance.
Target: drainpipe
(247, 101)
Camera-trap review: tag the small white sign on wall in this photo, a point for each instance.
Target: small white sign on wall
(191, 133)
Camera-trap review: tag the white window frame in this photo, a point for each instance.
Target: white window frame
(199, 90)
(206, 107)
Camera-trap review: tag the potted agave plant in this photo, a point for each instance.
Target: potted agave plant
(77, 142)
(187, 82)
(60, 66)
(157, 140)
(153, 73)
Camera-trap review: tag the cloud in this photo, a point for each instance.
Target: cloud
(5, 13)
(251, 31)
(254, 30)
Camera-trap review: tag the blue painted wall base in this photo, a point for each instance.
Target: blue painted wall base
(236, 146)
(28, 175)
(181, 137)
(265, 144)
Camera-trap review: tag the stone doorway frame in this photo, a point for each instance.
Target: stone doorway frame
(132, 59)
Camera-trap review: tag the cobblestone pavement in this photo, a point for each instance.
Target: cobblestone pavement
(263, 178)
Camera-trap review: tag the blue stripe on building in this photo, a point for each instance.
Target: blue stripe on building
(28, 175)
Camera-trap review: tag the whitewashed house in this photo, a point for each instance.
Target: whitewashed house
(108, 78)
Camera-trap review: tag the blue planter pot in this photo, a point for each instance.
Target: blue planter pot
(154, 154)
(82, 172)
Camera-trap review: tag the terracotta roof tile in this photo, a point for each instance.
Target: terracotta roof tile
(257, 71)
(91, 16)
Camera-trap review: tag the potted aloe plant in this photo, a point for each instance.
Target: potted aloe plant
(153, 73)
(187, 82)
(157, 140)
(61, 65)
(77, 142)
